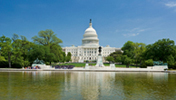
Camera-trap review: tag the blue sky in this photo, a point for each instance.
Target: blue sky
(116, 21)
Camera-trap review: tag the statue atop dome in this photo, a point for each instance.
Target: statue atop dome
(90, 20)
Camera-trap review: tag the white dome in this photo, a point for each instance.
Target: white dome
(90, 32)
(90, 37)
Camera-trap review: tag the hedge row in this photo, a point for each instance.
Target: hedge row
(5, 64)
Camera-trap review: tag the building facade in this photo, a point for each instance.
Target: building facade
(89, 48)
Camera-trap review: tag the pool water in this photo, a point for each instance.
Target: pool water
(47, 85)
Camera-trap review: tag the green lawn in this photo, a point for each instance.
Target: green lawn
(92, 64)
(172, 69)
(75, 64)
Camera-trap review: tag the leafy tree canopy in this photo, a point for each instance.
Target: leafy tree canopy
(128, 49)
(68, 58)
(110, 58)
(126, 60)
(160, 50)
(47, 38)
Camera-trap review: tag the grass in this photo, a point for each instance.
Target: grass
(93, 64)
(172, 69)
(75, 64)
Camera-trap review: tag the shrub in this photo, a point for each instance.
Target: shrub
(143, 64)
(149, 62)
(4, 64)
(171, 62)
(16, 65)
(47, 63)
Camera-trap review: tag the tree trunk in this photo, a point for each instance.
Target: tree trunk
(140, 63)
(127, 65)
(9, 55)
(136, 64)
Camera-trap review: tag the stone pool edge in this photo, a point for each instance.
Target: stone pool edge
(88, 70)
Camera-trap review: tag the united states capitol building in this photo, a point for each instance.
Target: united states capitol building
(89, 48)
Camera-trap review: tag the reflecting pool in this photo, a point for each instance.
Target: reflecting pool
(46, 85)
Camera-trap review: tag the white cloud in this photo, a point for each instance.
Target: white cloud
(142, 30)
(134, 29)
(170, 4)
(117, 31)
(131, 34)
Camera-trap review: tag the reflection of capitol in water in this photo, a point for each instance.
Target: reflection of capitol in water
(95, 85)
(37, 74)
(85, 85)
(104, 85)
(91, 85)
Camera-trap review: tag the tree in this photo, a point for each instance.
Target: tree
(134, 51)
(110, 59)
(115, 55)
(37, 51)
(2, 58)
(64, 57)
(6, 48)
(40, 52)
(139, 49)
(21, 47)
(149, 62)
(47, 38)
(160, 50)
(171, 62)
(58, 53)
(49, 56)
(126, 60)
(128, 49)
(118, 59)
(17, 57)
(68, 58)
